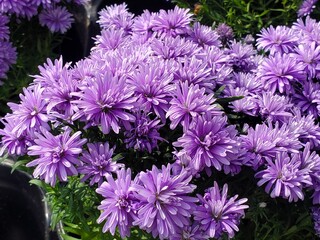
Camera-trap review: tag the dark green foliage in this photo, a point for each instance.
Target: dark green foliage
(244, 16)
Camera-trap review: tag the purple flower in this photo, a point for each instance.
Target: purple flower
(204, 35)
(306, 7)
(315, 213)
(248, 81)
(165, 206)
(274, 107)
(110, 39)
(194, 71)
(57, 19)
(225, 32)
(309, 56)
(8, 56)
(207, 142)
(152, 84)
(118, 208)
(144, 134)
(174, 47)
(278, 72)
(172, 22)
(142, 26)
(308, 98)
(190, 101)
(216, 214)
(284, 177)
(242, 56)
(105, 102)
(189, 233)
(30, 113)
(4, 29)
(13, 141)
(277, 40)
(265, 141)
(116, 17)
(97, 163)
(57, 155)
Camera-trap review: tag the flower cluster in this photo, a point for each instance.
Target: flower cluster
(179, 103)
(52, 14)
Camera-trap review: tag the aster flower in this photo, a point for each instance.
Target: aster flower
(118, 204)
(57, 155)
(307, 130)
(144, 134)
(110, 39)
(190, 101)
(189, 233)
(265, 141)
(165, 205)
(142, 26)
(284, 177)
(116, 17)
(278, 72)
(216, 214)
(204, 35)
(207, 142)
(174, 48)
(248, 81)
(105, 102)
(172, 22)
(13, 141)
(309, 56)
(4, 29)
(276, 40)
(8, 56)
(306, 7)
(274, 107)
(308, 98)
(315, 213)
(30, 113)
(57, 19)
(194, 71)
(241, 56)
(225, 32)
(152, 84)
(97, 163)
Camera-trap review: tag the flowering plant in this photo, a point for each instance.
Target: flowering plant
(167, 131)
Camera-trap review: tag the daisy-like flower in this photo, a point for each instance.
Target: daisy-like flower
(315, 213)
(116, 16)
(57, 155)
(204, 35)
(4, 29)
(110, 39)
(165, 206)
(142, 26)
(190, 101)
(97, 163)
(31, 111)
(242, 56)
(225, 32)
(174, 47)
(217, 214)
(207, 142)
(308, 98)
(274, 107)
(194, 71)
(118, 207)
(248, 81)
(172, 22)
(309, 56)
(190, 233)
(12, 141)
(152, 84)
(57, 19)
(284, 177)
(8, 56)
(278, 72)
(306, 7)
(105, 102)
(277, 40)
(144, 134)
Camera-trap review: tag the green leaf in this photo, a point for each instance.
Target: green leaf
(228, 99)
(18, 165)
